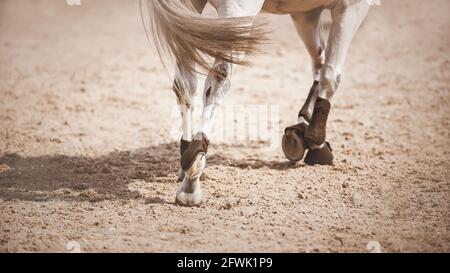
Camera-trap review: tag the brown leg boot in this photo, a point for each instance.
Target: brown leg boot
(322, 156)
(183, 147)
(316, 135)
(196, 147)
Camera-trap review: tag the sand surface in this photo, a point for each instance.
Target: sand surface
(89, 158)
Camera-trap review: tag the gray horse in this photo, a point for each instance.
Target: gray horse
(182, 32)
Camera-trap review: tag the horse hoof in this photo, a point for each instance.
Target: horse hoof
(322, 156)
(293, 142)
(189, 194)
(293, 147)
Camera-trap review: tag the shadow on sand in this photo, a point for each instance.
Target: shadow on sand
(47, 178)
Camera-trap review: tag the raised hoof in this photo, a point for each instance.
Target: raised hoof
(322, 156)
(293, 147)
(293, 143)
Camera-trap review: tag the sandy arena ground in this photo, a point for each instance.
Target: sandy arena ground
(88, 160)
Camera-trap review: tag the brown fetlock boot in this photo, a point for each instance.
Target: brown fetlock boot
(196, 147)
(184, 144)
(316, 133)
(183, 147)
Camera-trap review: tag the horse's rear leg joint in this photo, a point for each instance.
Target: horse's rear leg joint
(222, 71)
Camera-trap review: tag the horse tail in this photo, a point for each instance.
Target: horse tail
(183, 34)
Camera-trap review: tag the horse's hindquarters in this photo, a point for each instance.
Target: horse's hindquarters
(293, 6)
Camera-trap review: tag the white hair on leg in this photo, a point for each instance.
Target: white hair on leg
(346, 21)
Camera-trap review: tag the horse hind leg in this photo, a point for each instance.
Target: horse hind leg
(193, 159)
(217, 85)
(185, 88)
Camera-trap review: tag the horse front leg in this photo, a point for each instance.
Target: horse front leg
(309, 28)
(346, 21)
(217, 85)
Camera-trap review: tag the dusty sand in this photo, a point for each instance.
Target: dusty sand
(86, 161)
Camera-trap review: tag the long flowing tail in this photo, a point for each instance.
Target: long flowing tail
(189, 37)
